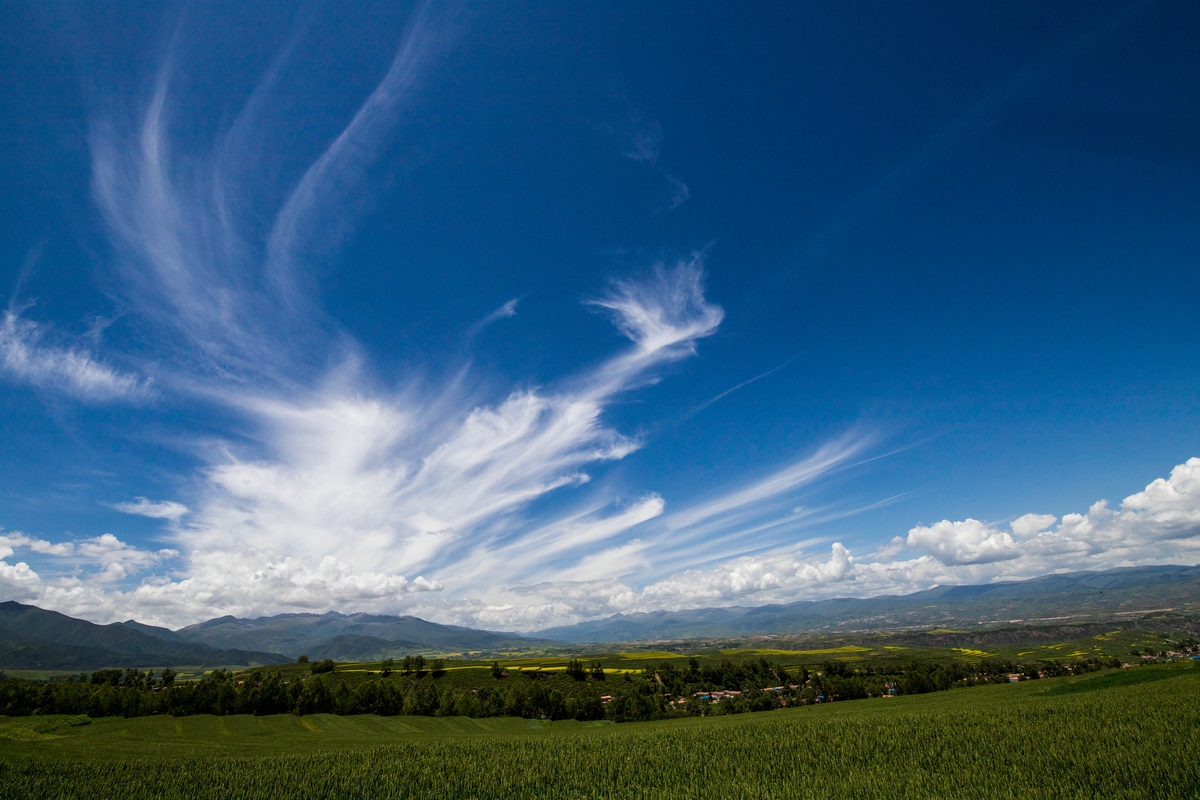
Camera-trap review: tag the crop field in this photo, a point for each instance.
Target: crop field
(1122, 733)
(875, 653)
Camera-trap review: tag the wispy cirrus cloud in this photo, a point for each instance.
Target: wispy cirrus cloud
(29, 354)
(359, 495)
(505, 311)
(353, 496)
(641, 140)
(315, 216)
(334, 493)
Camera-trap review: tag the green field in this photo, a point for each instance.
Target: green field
(1129, 733)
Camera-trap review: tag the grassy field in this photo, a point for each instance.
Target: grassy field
(1130, 733)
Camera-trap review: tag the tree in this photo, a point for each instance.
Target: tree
(168, 676)
(597, 671)
(387, 665)
(497, 672)
(322, 666)
(407, 669)
(575, 669)
(439, 668)
(419, 663)
(302, 659)
(586, 706)
(110, 676)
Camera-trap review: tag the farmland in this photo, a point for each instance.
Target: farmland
(1126, 733)
(638, 685)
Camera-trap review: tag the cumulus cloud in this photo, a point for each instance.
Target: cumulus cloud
(116, 559)
(87, 568)
(19, 582)
(9, 541)
(966, 542)
(748, 576)
(167, 509)
(1159, 523)
(1032, 523)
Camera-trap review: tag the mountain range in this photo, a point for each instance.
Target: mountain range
(347, 637)
(33, 638)
(1077, 596)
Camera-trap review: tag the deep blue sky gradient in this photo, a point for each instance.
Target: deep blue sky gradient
(971, 229)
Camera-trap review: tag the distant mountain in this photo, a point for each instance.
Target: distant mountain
(374, 636)
(1082, 596)
(355, 647)
(33, 638)
(166, 634)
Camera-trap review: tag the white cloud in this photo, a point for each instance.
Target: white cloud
(16, 539)
(393, 486)
(1030, 524)
(26, 355)
(140, 506)
(1161, 522)
(966, 542)
(238, 583)
(642, 141)
(60, 549)
(1156, 526)
(318, 213)
(19, 582)
(349, 497)
(756, 578)
(82, 578)
(509, 309)
(665, 313)
(744, 577)
(117, 559)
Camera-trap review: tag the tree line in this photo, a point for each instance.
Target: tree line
(659, 692)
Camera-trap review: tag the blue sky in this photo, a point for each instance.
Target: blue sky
(516, 315)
